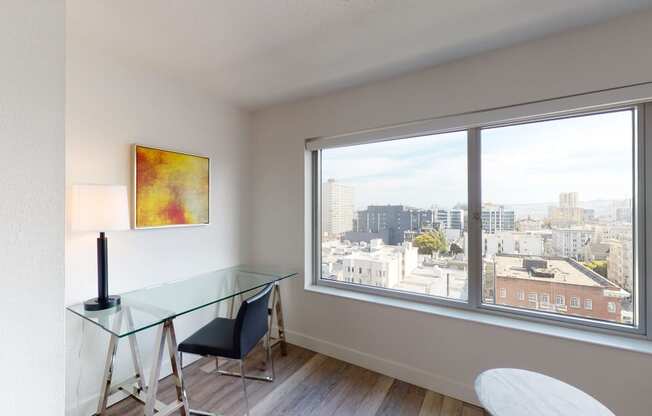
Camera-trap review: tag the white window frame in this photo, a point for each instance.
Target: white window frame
(588, 304)
(575, 302)
(503, 292)
(637, 98)
(520, 295)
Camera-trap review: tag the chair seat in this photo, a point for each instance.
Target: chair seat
(215, 339)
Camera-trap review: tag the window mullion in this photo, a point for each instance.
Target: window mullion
(644, 213)
(316, 214)
(474, 255)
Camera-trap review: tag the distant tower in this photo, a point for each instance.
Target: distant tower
(568, 199)
(568, 213)
(337, 208)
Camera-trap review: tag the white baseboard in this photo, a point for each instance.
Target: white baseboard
(400, 371)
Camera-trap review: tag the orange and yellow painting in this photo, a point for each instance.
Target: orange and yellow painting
(172, 188)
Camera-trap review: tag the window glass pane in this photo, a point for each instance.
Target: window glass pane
(557, 216)
(394, 215)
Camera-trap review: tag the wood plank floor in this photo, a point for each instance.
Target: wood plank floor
(307, 384)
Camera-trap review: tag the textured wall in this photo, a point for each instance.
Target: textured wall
(32, 206)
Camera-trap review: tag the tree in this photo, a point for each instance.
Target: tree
(431, 242)
(598, 266)
(456, 249)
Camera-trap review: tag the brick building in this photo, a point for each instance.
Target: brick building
(556, 284)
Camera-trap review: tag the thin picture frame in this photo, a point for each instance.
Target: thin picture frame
(134, 174)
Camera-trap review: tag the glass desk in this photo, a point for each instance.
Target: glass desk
(157, 306)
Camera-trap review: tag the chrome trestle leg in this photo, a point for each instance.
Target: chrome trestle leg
(107, 377)
(277, 308)
(155, 371)
(141, 383)
(176, 370)
(136, 385)
(270, 359)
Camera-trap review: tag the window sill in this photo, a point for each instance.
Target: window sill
(608, 340)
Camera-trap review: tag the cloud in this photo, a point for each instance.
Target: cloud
(526, 163)
(535, 162)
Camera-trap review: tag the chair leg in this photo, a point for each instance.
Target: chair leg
(244, 386)
(266, 377)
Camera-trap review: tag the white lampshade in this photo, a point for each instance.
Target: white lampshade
(100, 208)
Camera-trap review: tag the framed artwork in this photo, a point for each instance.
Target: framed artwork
(171, 189)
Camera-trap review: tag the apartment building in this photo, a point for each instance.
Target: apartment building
(557, 285)
(337, 208)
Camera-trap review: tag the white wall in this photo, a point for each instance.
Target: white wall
(32, 206)
(438, 352)
(111, 105)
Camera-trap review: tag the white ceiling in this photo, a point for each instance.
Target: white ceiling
(259, 52)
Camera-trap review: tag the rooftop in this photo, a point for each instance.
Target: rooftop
(558, 270)
(376, 251)
(432, 280)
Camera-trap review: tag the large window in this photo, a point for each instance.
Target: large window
(541, 218)
(393, 215)
(557, 214)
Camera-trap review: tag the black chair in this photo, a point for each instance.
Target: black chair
(235, 338)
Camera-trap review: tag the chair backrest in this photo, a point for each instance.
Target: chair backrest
(251, 324)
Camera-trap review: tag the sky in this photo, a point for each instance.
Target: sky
(523, 164)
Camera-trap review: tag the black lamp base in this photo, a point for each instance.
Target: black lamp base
(96, 304)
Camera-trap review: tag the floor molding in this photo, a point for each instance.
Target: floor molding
(387, 367)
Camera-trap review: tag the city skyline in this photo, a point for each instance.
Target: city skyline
(571, 264)
(534, 210)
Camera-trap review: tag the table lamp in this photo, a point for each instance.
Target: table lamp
(100, 208)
